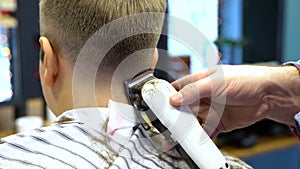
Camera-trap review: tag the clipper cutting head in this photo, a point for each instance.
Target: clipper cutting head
(133, 89)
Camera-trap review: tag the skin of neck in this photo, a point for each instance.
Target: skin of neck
(66, 92)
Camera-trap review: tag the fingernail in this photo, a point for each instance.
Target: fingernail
(177, 97)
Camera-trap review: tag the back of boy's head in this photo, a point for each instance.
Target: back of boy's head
(68, 24)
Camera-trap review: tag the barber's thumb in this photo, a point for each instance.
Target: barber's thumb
(185, 96)
(176, 99)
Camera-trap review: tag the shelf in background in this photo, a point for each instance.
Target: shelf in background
(264, 145)
(6, 133)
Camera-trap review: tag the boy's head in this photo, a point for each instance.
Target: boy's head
(66, 26)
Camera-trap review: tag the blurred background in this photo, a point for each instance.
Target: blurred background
(243, 31)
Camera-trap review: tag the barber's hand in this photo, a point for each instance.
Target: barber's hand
(246, 91)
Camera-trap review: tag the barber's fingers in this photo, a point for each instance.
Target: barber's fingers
(213, 122)
(208, 116)
(192, 92)
(180, 83)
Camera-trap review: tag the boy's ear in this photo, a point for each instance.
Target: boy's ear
(155, 59)
(49, 62)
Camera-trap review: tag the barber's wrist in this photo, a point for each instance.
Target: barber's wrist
(294, 85)
(283, 93)
(295, 64)
(295, 128)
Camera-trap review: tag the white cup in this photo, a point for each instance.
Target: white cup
(28, 123)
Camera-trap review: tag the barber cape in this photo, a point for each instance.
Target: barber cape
(88, 138)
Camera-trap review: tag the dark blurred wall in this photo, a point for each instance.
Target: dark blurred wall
(263, 30)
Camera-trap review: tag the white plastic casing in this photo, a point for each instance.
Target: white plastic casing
(183, 125)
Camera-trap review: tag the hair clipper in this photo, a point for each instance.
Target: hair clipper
(150, 97)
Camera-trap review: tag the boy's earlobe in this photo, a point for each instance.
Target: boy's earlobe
(155, 59)
(48, 80)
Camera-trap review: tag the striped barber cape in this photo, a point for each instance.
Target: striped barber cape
(91, 138)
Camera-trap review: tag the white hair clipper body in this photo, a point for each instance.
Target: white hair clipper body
(183, 125)
(150, 97)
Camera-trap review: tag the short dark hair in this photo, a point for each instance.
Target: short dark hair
(68, 24)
